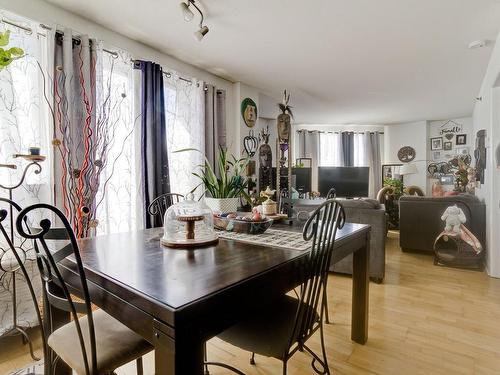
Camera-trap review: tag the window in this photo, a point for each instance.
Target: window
(185, 129)
(330, 150)
(24, 115)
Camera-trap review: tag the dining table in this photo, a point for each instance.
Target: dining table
(177, 299)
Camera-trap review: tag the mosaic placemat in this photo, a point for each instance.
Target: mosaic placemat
(271, 237)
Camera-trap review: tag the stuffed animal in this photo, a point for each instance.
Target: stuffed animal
(453, 216)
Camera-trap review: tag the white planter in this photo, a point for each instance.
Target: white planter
(222, 205)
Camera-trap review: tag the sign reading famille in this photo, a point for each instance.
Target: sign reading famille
(450, 128)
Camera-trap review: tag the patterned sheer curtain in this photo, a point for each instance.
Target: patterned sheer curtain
(24, 123)
(330, 150)
(120, 207)
(24, 115)
(184, 104)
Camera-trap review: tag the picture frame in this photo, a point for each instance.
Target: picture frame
(462, 150)
(436, 143)
(447, 146)
(436, 155)
(448, 179)
(461, 139)
(391, 171)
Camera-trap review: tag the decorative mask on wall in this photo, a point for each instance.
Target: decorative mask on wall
(249, 112)
(480, 155)
(284, 124)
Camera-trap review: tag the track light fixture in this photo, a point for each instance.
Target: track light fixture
(188, 16)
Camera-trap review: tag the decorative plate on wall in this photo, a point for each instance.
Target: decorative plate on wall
(406, 154)
(249, 112)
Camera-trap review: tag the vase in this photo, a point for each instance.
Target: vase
(223, 205)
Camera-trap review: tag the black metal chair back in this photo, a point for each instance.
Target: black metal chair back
(9, 239)
(332, 194)
(48, 261)
(160, 204)
(321, 229)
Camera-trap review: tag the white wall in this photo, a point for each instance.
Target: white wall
(412, 134)
(487, 116)
(51, 15)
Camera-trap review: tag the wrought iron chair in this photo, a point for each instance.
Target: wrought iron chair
(159, 205)
(282, 328)
(94, 344)
(18, 250)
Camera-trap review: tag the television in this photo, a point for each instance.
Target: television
(301, 178)
(348, 182)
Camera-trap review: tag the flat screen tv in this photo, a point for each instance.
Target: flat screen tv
(348, 182)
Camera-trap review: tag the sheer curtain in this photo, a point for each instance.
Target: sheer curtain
(184, 111)
(119, 196)
(309, 147)
(360, 150)
(24, 116)
(330, 150)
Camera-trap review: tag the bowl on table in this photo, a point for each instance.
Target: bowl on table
(242, 224)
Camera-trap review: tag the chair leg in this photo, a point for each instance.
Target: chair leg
(252, 359)
(325, 305)
(205, 356)
(323, 349)
(139, 365)
(284, 367)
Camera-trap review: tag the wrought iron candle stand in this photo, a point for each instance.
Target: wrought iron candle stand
(17, 329)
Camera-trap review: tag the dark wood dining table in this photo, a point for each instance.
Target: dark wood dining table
(178, 299)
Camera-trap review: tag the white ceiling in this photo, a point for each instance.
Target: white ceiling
(345, 61)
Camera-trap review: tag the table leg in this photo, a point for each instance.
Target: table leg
(360, 293)
(54, 318)
(178, 356)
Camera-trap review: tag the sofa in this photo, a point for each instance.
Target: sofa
(420, 219)
(363, 211)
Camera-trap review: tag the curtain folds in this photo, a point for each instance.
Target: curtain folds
(309, 147)
(372, 147)
(348, 148)
(215, 122)
(154, 153)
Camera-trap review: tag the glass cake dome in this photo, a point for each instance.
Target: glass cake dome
(188, 224)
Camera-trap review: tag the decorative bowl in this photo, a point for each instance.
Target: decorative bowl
(242, 226)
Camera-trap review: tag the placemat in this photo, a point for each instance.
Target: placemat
(271, 237)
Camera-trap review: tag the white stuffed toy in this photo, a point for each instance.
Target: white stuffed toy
(453, 217)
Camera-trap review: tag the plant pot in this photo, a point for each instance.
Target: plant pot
(223, 205)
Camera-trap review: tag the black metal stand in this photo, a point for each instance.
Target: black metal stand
(17, 329)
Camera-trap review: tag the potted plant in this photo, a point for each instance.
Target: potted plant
(223, 190)
(8, 55)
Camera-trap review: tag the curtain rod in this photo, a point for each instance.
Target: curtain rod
(334, 132)
(112, 53)
(29, 30)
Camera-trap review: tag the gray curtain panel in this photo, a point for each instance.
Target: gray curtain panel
(75, 128)
(154, 157)
(348, 148)
(215, 122)
(372, 145)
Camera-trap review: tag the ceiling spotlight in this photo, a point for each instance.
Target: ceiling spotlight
(188, 14)
(201, 33)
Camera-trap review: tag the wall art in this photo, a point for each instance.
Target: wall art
(249, 112)
(437, 143)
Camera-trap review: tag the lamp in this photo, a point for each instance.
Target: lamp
(408, 168)
(201, 33)
(188, 13)
(188, 16)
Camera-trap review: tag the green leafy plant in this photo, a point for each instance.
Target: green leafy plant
(397, 186)
(230, 183)
(8, 55)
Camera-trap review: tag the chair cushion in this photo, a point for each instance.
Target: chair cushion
(267, 332)
(115, 343)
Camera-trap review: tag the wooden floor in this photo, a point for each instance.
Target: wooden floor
(424, 320)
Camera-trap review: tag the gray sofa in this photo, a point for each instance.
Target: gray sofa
(363, 211)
